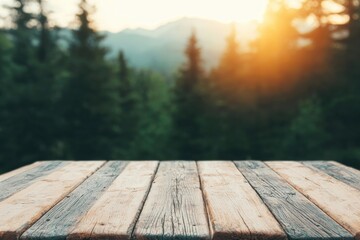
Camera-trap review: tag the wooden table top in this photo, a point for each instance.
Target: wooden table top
(180, 200)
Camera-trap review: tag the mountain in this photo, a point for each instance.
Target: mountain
(162, 48)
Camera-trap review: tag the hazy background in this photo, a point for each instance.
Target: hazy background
(162, 79)
(115, 15)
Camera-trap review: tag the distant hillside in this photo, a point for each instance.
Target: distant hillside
(162, 48)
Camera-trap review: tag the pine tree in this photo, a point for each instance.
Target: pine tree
(129, 108)
(144, 102)
(275, 67)
(21, 108)
(7, 70)
(46, 42)
(30, 89)
(126, 88)
(325, 54)
(321, 36)
(343, 104)
(51, 75)
(231, 59)
(351, 42)
(276, 45)
(91, 95)
(23, 36)
(187, 128)
(228, 75)
(123, 68)
(192, 72)
(230, 100)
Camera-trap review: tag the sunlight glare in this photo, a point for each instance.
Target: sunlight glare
(114, 15)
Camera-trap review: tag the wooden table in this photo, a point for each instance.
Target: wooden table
(180, 200)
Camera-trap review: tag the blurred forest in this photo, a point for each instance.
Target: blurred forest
(294, 96)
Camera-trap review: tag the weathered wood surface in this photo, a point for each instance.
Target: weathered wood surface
(337, 199)
(58, 223)
(235, 210)
(21, 210)
(18, 171)
(299, 217)
(114, 215)
(343, 173)
(180, 200)
(174, 208)
(22, 180)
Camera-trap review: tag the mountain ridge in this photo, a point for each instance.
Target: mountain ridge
(162, 48)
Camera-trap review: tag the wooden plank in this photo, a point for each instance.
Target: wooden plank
(335, 198)
(22, 180)
(299, 217)
(21, 210)
(19, 170)
(235, 210)
(341, 172)
(114, 215)
(57, 223)
(174, 208)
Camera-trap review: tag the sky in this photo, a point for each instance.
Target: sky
(116, 15)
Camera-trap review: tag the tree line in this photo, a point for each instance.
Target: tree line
(293, 96)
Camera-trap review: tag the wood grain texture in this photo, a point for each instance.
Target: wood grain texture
(235, 209)
(58, 223)
(335, 198)
(22, 180)
(341, 172)
(299, 217)
(18, 171)
(174, 208)
(21, 210)
(114, 215)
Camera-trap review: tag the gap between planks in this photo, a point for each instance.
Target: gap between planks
(24, 179)
(35, 200)
(125, 197)
(235, 210)
(18, 171)
(337, 199)
(336, 170)
(174, 208)
(299, 217)
(131, 230)
(58, 222)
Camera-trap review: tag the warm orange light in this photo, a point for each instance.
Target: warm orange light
(115, 15)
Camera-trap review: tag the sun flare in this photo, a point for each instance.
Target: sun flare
(236, 11)
(116, 15)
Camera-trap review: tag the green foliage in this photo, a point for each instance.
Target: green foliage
(188, 104)
(145, 113)
(306, 136)
(6, 64)
(151, 137)
(58, 103)
(90, 95)
(27, 114)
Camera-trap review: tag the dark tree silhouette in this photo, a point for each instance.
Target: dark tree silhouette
(188, 101)
(91, 97)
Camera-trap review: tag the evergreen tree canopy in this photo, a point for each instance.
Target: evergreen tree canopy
(188, 103)
(91, 95)
(69, 99)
